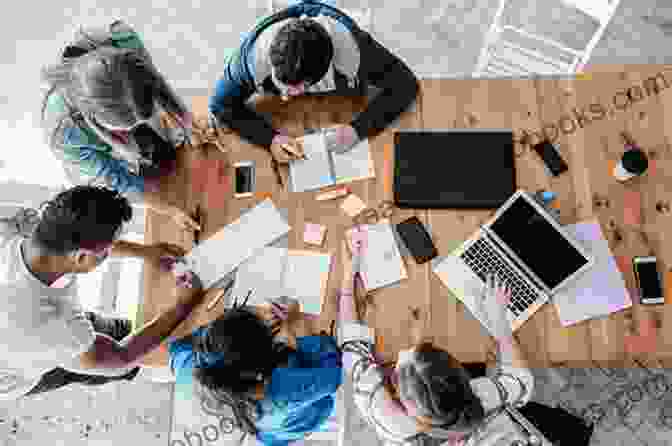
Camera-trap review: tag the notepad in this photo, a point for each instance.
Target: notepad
(382, 264)
(323, 168)
(598, 292)
(275, 272)
(237, 242)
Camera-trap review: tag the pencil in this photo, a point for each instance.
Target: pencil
(216, 300)
(276, 169)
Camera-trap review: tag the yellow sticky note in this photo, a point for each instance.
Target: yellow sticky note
(353, 205)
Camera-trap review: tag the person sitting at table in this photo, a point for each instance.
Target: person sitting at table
(311, 48)
(277, 377)
(111, 118)
(49, 340)
(428, 394)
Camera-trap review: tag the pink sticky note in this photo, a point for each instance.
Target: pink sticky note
(632, 207)
(314, 234)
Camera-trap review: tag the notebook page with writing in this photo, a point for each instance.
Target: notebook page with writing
(355, 164)
(314, 172)
(262, 274)
(382, 264)
(306, 278)
(237, 242)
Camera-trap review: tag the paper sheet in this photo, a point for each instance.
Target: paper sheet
(306, 279)
(356, 164)
(237, 242)
(600, 290)
(381, 263)
(314, 172)
(263, 274)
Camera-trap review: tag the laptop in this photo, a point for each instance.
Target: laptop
(526, 249)
(463, 168)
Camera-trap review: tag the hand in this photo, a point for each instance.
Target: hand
(341, 139)
(158, 252)
(492, 305)
(183, 220)
(281, 155)
(272, 314)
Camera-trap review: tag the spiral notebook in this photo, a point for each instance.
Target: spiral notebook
(323, 168)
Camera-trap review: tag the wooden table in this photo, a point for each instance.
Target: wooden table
(520, 104)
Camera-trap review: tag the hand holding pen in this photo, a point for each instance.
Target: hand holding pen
(285, 149)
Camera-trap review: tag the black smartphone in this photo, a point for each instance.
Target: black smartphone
(417, 240)
(648, 280)
(244, 179)
(551, 157)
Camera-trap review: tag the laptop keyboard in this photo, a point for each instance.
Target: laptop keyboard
(484, 260)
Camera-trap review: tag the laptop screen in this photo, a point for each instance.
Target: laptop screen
(537, 243)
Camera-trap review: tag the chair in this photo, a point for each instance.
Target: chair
(361, 16)
(502, 57)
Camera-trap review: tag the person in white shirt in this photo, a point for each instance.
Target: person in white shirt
(428, 397)
(49, 341)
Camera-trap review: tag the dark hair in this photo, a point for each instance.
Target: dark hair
(81, 217)
(301, 51)
(439, 386)
(249, 356)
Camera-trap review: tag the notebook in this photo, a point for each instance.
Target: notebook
(382, 264)
(274, 272)
(598, 292)
(229, 247)
(323, 168)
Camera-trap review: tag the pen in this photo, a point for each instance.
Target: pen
(276, 169)
(216, 300)
(293, 151)
(197, 218)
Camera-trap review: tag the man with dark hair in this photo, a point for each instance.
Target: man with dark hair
(311, 48)
(50, 341)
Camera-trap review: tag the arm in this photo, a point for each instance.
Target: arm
(228, 105)
(398, 83)
(107, 353)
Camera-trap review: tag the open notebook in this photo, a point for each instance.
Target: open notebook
(382, 264)
(275, 272)
(324, 168)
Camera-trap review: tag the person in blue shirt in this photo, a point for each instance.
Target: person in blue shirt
(278, 378)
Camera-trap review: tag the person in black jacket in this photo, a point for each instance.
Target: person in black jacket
(311, 48)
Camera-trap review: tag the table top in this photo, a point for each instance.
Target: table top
(585, 116)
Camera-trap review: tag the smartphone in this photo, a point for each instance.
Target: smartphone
(244, 179)
(551, 157)
(417, 240)
(648, 280)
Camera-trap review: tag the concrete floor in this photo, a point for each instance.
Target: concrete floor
(437, 38)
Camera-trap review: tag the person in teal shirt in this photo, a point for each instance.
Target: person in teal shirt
(281, 385)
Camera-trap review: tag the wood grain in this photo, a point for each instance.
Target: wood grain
(568, 110)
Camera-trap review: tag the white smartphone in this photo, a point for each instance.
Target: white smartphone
(648, 280)
(245, 179)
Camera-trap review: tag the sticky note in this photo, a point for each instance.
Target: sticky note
(353, 205)
(632, 207)
(314, 234)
